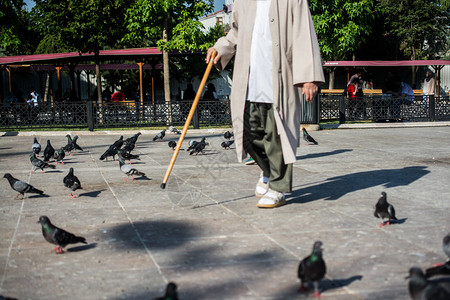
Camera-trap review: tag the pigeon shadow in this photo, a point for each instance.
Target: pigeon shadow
(71, 162)
(54, 171)
(82, 248)
(316, 155)
(142, 178)
(39, 196)
(327, 284)
(92, 194)
(334, 188)
(399, 221)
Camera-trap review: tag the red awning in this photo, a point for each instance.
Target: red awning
(75, 56)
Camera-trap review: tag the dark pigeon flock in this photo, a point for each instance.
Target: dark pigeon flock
(311, 269)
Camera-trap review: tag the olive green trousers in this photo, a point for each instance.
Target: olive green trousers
(262, 142)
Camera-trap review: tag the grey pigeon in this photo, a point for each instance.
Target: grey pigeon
(228, 135)
(129, 170)
(59, 155)
(171, 292)
(72, 182)
(49, 151)
(442, 268)
(75, 145)
(422, 289)
(21, 186)
(36, 147)
(58, 236)
(160, 136)
(384, 210)
(69, 146)
(227, 144)
(39, 164)
(174, 130)
(312, 268)
(172, 144)
(192, 144)
(308, 138)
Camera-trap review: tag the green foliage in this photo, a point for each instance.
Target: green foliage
(421, 26)
(17, 35)
(82, 25)
(342, 26)
(146, 21)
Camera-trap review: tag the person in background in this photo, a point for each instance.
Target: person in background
(277, 62)
(34, 96)
(428, 89)
(118, 96)
(210, 93)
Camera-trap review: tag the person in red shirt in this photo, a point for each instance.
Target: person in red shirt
(118, 96)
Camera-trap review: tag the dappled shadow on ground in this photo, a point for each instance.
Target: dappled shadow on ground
(335, 187)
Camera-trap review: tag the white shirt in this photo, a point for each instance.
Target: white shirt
(260, 80)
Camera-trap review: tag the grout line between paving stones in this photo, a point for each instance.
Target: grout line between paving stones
(13, 239)
(158, 267)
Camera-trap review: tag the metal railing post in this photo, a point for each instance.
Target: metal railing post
(341, 109)
(90, 115)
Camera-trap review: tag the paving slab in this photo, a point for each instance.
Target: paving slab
(204, 231)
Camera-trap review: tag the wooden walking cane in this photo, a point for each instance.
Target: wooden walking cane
(188, 119)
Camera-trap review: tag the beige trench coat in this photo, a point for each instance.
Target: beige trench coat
(296, 60)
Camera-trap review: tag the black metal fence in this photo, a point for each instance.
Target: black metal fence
(213, 113)
(384, 108)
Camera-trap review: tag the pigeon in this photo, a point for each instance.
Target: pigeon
(309, 139)
(59, 155)
(442, 268)
(49, 151)
(58, 236)
(6, 298)
(172, 144)
(171, 292)
(75, 145)
(111, 151)
(36, 147)
(422, 289)
(118, 144)
(130, 143)
(21, 186)
(198, 147)
(192, 144)
(72, 182)
(173, 130)
(69, 146)
(446, 244)
(125, 155)
(312, 268)
(228, 135)
(39, 164)
(384, 210)
(128, 170)
(160, 136)
(226, 145)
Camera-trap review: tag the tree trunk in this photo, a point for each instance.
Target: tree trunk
(413, 68)
(166, 74)
(47, 86)
(99, 82)
(331, 76)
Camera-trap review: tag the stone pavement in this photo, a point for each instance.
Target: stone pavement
(204, 231)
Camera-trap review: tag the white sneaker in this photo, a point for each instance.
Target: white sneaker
(261, 188)
(271, 199)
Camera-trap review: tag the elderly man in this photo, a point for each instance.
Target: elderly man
(277, 59)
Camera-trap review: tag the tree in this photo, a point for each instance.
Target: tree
(171, 25)
(342, 26)
(83, 25)
(17, 36)
(421, 26)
